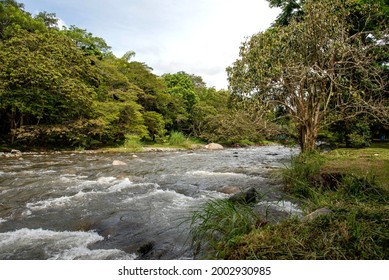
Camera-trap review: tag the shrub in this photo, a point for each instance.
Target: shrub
(357, 140)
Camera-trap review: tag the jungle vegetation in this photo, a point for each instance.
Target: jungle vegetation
(319, 72)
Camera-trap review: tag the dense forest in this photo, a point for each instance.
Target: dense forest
(63, 87)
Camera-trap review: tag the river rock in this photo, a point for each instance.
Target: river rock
(16, 152)
(317, 213)
(214, 146)
(146, 248)
(248, 196)
(118, 163)
(229, 190)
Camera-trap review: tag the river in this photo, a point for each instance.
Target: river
(81, 206)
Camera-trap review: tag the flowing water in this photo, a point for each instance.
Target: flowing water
(81, 206)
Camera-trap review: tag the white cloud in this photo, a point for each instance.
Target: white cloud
(199, 37)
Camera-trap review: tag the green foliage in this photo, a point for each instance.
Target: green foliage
(133, 143)
(45, 78)
(221, 222)
(155, 125)
(80, 133)
(85, 40)
(180, 85)
(315, 67)
(299, 177)
(355, 228)
(357, 140)
(177, 138)
(49, 19)
(13, 18)
(290, 9)
(347, 234)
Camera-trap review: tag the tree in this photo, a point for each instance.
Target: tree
(44, 78)
(290, 9)
(86, 41)
(314, 68)
(155, 124)
(181, 85)
(182, 99)
(50, 19)
(13, 18)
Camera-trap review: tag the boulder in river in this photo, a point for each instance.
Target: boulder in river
(16, 152)
(214, 146)
(118, 163)
(248, 196)
(229, 190)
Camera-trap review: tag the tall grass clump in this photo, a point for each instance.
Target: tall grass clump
(219, 223)
(363, 188)
(133, 143)
(299, 177)
(177, 139)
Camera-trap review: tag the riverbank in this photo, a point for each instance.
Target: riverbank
(185, 145)
(344, 196)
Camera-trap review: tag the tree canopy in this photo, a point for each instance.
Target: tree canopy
(316, 67)
(64, 87)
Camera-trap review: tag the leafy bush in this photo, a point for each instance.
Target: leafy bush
(357, 140)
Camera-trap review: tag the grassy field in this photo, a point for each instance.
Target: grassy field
(351, 184)
(373, 160)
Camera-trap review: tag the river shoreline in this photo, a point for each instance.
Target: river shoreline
(14, 152)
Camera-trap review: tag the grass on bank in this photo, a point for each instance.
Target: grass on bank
(176, 140)
(352, 183)
(220, 222)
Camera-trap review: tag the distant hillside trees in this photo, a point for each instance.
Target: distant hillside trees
(64, 87)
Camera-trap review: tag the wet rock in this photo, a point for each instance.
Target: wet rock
(118, 163)
(16, 152)
(134, 156)
(317, 213)
(214, 146)
(229, 190)
(277, 211)
(248, 196)
(146, 248)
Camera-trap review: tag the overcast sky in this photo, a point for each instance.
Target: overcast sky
(200, 37)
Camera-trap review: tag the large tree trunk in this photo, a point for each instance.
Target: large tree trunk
(307, 138)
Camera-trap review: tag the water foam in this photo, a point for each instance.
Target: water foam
(57, 202)
(27, 243)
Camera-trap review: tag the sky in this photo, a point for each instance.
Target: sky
(200, 37)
